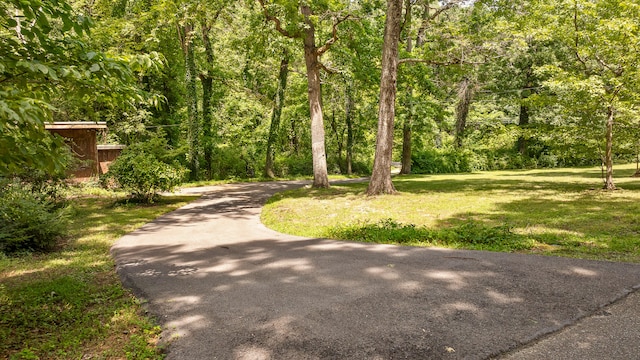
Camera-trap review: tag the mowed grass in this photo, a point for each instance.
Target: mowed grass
(555, 212)
(70, 304)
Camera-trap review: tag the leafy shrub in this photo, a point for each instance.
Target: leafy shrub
(442, 161)
(294, 165)
(471, 233)
(146, 168)
(29, 220)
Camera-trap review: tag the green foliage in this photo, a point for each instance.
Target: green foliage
(45, 67)
(472, 234)
(442, 161)
(70, 303)
(146, 168)
(30, 220)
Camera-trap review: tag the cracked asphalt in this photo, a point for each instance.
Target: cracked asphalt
(223, 286)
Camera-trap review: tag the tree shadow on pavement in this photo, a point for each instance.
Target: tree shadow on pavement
(322, 299)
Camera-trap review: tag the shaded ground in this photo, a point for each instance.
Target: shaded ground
(225, 287)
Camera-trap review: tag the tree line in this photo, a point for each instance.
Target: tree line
(281, 87)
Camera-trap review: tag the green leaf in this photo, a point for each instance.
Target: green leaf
(42, 68)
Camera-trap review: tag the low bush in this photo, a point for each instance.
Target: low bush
(145, 169)
(29, 219)
(471, 234)
(443, 161)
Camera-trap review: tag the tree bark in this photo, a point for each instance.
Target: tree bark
(406, 147)
(523, 121)
(349, 123)
(207, 108)
(193, 126)
(408, 121)
(275, 116)
(320, 175)
(608, 155)
(381, 176)
(465, 93)
(339, 138)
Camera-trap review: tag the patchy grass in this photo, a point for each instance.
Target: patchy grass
(554, 212)
(70, 304)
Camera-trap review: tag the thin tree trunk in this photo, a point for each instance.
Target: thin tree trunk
(408, 121)
(608, 155)
(275, 116)
(349, 122)
(339, 137)
(522, 123)
(465, 93)
(320, 175)
(207, 108)
(193, 126)
(422, 32)
(406, 148)
(381, 176)
(294, 142)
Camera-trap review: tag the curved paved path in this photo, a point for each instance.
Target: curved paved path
(226, 287)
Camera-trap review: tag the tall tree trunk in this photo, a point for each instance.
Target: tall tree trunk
(381, 176)
(207, 108)
(207, 124)
(608, 155)
(339, 137)
(406, 147)
(422, 31)
(294, 141)
(320, 175)
(193, 126)
(275, 116)
(522, 123)
(408, 121)
(465, 93)
(349, 123)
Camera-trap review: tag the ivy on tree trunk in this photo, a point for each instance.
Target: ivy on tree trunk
(275, 117)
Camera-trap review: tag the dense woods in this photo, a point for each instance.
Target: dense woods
(278, 88)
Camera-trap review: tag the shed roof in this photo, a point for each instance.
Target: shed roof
(64, 125)
(111, 147)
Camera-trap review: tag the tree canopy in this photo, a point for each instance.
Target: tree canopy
(283, 88)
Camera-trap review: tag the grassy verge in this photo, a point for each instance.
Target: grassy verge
(555, 212)
(69, 304)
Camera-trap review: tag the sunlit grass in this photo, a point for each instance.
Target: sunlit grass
(70, 304)
(559, 211)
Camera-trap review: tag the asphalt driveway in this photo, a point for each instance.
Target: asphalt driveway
(225, 287)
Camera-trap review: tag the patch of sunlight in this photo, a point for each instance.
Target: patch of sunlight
(60, 262)
(17, 273)
(543, 230)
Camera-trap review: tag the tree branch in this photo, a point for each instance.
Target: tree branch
(334, 36)
(442, 9)
(327, 69)
(439, 63)
(277, 22)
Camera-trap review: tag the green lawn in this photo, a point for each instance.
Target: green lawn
(70, 304)
(555, 212)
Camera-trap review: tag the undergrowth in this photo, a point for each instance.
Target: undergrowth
(469, 234)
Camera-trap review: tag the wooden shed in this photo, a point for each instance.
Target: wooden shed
(82, 137)
(107, 154)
